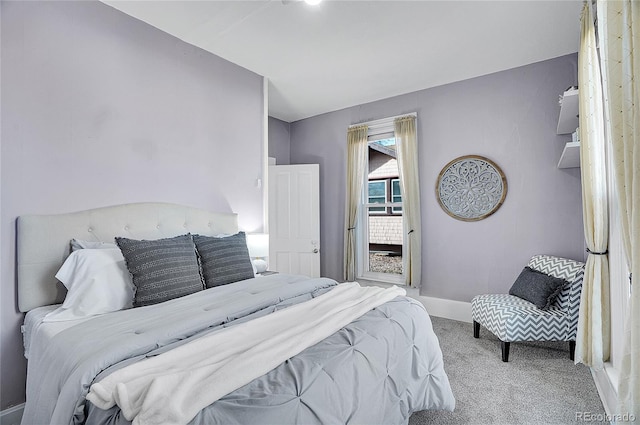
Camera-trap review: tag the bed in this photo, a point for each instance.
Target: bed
(264, 349)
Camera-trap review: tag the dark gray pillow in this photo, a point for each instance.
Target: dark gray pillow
(537, 287)
(161, 269)
(224, 260)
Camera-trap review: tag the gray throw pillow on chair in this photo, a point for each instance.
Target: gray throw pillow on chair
(537, 287)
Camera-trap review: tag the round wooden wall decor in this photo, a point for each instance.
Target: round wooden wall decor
(471, 188)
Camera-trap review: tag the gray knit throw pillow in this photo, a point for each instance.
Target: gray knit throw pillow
(161, 269)
(224, 260)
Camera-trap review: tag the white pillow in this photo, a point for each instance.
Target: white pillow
(77, 244)
(97, 282)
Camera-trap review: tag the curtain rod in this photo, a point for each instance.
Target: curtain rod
(383, 121)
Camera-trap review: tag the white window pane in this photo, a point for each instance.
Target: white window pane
(388, 142)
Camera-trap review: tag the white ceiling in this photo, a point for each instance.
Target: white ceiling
(345, 53)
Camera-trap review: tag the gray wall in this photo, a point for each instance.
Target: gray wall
(509, 117)
(101, 109)
(279, 141)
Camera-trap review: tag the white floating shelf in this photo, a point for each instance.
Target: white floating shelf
(570, 156)
(568, 119)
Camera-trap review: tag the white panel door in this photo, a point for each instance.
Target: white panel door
(294, 219)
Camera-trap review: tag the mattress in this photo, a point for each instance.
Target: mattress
(380, 368)
(34, 328)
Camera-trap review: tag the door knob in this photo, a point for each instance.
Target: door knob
(315, 250)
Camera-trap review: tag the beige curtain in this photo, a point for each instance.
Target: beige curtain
(619, 32)
(594, 329)
(407, 151)
(357, 146)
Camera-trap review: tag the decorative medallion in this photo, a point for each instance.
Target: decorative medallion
(471, 188)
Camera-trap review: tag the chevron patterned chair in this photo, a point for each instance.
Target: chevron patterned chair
(512, 319)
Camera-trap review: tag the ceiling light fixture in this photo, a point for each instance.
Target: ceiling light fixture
(312, 2)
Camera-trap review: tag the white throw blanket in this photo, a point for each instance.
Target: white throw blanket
(173, 387)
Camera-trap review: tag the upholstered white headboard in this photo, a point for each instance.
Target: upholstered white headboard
(44, 240)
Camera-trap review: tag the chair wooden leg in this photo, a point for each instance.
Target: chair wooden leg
(572, 350)
(476, 329)
(505, 351)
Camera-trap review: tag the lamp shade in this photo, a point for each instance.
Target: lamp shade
(258, 244)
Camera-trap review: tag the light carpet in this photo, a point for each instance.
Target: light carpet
(539, 384)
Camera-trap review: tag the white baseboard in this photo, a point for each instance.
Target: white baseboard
(449, 309)
(440, 307)
(12, 415)
(607, 383)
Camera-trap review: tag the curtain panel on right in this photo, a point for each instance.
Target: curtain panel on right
(594, 331)
(407, 151)
(619, 33)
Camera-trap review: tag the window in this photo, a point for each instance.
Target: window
(396, 197)
(385, 191)
(377, 195)
(380, 233)
(378, 224)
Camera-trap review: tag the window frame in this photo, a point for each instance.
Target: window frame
(362, 227)
(395, 210)
(389, 195)
(386, 197)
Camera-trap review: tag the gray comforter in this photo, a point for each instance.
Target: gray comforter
(379, 369)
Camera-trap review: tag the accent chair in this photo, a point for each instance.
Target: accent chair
(512, 318)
